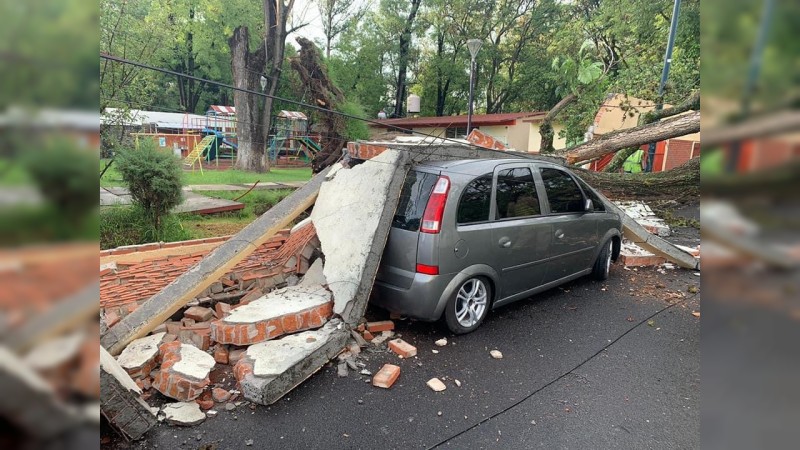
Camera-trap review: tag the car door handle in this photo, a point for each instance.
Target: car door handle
(505, 242)
(559, 234)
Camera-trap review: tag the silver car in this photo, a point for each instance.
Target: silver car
(473, 235)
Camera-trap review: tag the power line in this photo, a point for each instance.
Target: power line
(275, 97)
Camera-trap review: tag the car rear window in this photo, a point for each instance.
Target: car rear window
(474, 204)
(563, 194)
(413, 199)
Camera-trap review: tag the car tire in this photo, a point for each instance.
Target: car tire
(469, 305)
(603, 264)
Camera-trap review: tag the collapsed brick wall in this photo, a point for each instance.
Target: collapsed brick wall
(124, 288)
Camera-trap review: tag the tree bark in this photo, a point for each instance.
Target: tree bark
(682, 181)
(254, 114)
(405, 44)
(546, 127)
(246, 68)
(613, 142)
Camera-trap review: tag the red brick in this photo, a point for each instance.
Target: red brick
(221, 354)
(222, 309)
(198, 314)
(112, 318)
(386, 377)
(220, 395)
(368, 336)
(402, 348)
(377, 327)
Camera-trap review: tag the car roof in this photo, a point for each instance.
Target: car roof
(475, 166)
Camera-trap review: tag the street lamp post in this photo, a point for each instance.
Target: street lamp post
(473, 45)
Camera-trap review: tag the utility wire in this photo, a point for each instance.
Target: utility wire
(275, 97)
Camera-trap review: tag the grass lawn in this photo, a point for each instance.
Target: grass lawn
(12, 173)
(231, 176)
(210, 225)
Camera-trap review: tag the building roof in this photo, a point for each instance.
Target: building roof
(136, 117)
(222, 109)
(458, 121)
(296, 115)
(50, 118)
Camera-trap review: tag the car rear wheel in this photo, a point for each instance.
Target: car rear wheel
(468, 307)
(603, 264)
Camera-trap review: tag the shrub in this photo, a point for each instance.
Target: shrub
(66, 177)
(153, 178)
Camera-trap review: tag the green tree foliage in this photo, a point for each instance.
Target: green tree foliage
(153, 178)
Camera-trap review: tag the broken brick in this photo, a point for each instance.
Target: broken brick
(386, 377)
(377, 327)
(221, 354)
(112, 318)
(198, 314)
(220, 395)
(222, 309)
(402, 348)
(184, 371)
(368, 336)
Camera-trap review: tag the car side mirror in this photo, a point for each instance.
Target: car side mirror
(588, 205)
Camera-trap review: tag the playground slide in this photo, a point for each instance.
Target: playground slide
(230, 144)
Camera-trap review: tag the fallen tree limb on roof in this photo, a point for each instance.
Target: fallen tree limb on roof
(645, 134)
(216, 264)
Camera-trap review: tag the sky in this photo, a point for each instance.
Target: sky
(307, 11)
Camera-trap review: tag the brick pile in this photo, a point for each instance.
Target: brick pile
(218, 327)
(123, 287)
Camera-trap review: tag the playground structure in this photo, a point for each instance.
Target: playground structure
(210, 141)
(291, 144)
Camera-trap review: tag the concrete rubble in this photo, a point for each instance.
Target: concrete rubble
(271, 320)
(183, 413)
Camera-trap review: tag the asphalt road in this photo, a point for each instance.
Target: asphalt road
(588, 365)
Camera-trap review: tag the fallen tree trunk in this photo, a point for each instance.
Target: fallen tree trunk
(612, 142)
(691, 103)
(682, 181)
(314, 75)
(781, 122)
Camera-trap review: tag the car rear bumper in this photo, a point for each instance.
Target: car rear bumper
(423, 300)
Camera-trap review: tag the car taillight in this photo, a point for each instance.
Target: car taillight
(427, 270)
(432, 218)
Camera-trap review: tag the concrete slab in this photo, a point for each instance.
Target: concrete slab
(352, 217)
(139, 358)
(121, 403)
(194, 362)
(270, 370)
(183, 413)
(290, 300)
(284, 311)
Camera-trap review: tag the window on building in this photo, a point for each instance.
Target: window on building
(474, 204)
(516, 194)
(456, 132)
(562, 192)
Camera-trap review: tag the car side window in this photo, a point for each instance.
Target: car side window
(516, 194)
(474, 204)
(596, 202)
(563, 194)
